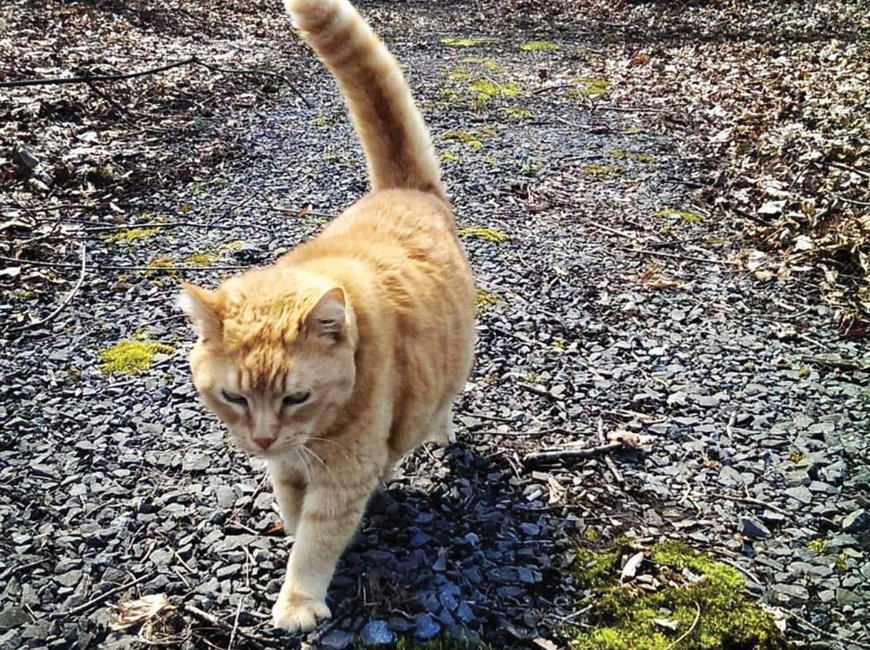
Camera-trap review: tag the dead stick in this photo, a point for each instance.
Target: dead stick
(63, 304)
(104, 596)
(267, 73)
(835, 362)
(211, 619)
(539, 457)
(171, 224)
(689, 631)
(617, 475)
(90, 78)
(690, 258)
(235, 626)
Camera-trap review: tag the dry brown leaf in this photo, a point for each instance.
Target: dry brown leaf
(136, 612)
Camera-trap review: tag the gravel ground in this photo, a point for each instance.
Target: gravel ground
(599, 317)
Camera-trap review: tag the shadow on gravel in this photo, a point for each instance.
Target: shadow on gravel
(452, 544)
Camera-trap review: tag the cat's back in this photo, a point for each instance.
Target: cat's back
(403, 231)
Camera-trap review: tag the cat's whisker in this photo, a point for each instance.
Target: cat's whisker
(342, 448)
(303, 462)
(321, 461)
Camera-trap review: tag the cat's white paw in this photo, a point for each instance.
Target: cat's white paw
(298, 614)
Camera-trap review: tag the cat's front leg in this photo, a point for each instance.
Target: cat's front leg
(329, 519)
(289, 491)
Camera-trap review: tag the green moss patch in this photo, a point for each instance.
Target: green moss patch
(487, 234)
(465, 42)
(450, 156)
(684, 215)
(539, 46)
(486, 89)
(471, 140)
(675, 595)
(485, 299)
(129, 357)
(518, 112)
(487, 64)
(603, 171)
(444, 642)
(129, 235)
(200, 259)
(589, 87)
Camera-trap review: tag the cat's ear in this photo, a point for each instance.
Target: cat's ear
(202, 307)
(329, 315)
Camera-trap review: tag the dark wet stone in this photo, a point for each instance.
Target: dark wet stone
(13, 617)
(425, 627)
(336, 640)
(857, 521)
(377, 633)
(801, 494)
(752, 528)
(785, 593)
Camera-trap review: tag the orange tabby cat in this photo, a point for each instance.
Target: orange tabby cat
(349, 351)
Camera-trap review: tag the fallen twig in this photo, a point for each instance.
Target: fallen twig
(759, 503)
(172, 224)
(116, 267)
(617, 475)
(831, 635)
(64, 303)
(836, 362)
(211, 619)
(235, 626)
(103, 596)
(86, 79)
(539, 457)
(675, 256)
(538, 390)
(89, 79)
(689, 631)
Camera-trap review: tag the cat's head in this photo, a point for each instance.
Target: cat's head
(275, 356)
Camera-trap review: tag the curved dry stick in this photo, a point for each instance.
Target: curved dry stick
(89, 79)
(689, 631)
(65, 301)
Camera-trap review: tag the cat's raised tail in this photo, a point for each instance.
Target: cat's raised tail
(395, 139)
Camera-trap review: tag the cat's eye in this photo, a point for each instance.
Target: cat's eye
(234, 398)
(296, 398)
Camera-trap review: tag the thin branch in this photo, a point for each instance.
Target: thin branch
(848, 641)
(267, 73)
(103, 596)
(235, 626)
(539, 457)
(836, 362)
(110, 267)
(757, 502)
(65, 301)
(675, 256)
(690, 630)
(846, 168)
(848, 200)
(171, 224)
(90, 78)
(211, 619)
(537, 390)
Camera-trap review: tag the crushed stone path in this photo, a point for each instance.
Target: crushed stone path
(608, 303)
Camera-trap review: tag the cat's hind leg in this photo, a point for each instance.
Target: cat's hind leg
(442, 426)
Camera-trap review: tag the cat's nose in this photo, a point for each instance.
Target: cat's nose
(264, 443)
